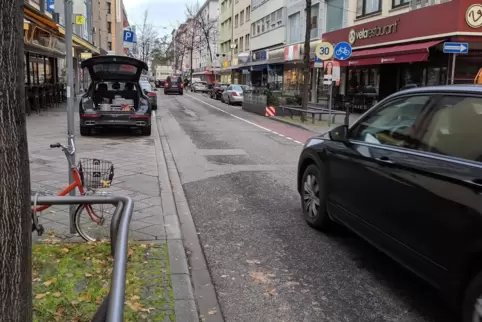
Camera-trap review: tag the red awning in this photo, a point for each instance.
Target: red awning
(391, 55)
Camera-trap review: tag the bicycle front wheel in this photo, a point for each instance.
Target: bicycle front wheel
(93, 221)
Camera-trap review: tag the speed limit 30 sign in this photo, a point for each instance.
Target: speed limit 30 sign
(324, 50)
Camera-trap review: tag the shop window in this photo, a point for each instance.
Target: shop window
(59, 45)
(366, 7)
(294, 28)
(398, 3)
(334, 15)
(41, 37)
(292, 80)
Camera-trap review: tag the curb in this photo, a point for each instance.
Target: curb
(194, 280)
(290, 123)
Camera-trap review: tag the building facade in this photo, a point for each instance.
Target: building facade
(395, 45)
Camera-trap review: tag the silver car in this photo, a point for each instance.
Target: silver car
(233, 95)
(200, 87)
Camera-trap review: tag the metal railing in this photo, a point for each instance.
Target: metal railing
(119, 236)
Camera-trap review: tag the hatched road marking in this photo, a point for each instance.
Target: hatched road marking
(244, 120)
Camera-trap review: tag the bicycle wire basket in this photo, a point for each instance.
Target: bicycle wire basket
(96, 173)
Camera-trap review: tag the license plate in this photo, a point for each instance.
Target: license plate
(174, 85)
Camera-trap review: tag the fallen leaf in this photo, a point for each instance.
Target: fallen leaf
(86, 297)
(130, 252)
(57, 294)
(98, 270)
(65, 250)
(60, 310)
(40, 296)
(272, 292)
(135, 298)
(212, 312)
(69, 275)
(143, 245)
(74, 302)
(88, 275)
(135, 306)
(50, 281)
(259, 277)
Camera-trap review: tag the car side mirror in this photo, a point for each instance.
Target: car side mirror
(339, 134)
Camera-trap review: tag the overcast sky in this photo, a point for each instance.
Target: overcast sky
(161, 13)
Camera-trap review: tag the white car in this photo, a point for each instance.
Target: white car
(200, 87)
(233, 95)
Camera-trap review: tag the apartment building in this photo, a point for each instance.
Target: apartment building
(109, 21)
(398, 43)
(206, 52)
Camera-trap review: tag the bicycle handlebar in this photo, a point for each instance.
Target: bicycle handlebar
(64, 148)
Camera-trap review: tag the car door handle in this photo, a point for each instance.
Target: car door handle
(385, 160)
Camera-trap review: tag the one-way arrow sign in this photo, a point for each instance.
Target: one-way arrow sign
(456, 47)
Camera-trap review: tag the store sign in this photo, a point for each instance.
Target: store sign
(376, 31)
(292, 52)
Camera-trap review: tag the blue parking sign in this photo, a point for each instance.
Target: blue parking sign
(342, 51)
(128, 36)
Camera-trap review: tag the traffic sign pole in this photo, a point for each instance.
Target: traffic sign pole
(68, 6)
(453, 68)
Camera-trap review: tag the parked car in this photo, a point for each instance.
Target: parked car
(199, 87)
(233, 95)
(407, 177)
(114, 97)
(151, 94)
(218, 90)
(174, 84)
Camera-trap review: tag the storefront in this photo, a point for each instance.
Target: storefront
(407, 49)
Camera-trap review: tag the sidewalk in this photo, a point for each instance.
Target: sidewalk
(139, 173)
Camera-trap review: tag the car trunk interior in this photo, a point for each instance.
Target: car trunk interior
(116, 97)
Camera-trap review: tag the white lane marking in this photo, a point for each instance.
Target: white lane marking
(244, 120)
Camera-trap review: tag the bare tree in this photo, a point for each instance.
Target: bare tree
(188, 36)
(146, 39)
(159, 53)
(15, 213)
(208, 28)
(306, 59)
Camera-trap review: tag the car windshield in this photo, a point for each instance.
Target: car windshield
(174, 79)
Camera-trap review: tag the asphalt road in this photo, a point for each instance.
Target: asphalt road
(238, 171)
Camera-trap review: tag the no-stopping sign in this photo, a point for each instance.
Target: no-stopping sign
(324, 51)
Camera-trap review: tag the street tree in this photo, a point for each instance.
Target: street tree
(189, 36)
(159, 54)
(208, 28)
(15, 217)
(306, 59)
(147, 37)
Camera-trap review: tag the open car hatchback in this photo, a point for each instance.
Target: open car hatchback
(115, 97)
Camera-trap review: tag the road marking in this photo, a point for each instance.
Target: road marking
(244, 120)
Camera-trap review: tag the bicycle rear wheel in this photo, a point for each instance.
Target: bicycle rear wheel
(92, 222)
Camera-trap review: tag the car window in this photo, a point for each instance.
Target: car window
(393, 123)
(237, 88)
(146, 86)
(230, 88)
(454, 128)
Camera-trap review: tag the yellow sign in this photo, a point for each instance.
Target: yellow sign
(79, 20)
(324, 50)
(85, 56)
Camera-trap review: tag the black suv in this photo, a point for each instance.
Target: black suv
(115, 97)
(173, 84)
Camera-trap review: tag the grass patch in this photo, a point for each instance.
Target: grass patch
(71, 280)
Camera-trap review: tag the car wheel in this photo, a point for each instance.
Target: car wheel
(472, 301)
(313, 199)
(146, 131)
(165, 92)
(182, 93)
(85, 131)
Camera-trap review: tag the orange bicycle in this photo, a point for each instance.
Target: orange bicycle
(89, 175)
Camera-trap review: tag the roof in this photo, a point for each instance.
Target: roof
(462, 88)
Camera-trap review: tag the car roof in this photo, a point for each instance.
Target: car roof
(462, 88)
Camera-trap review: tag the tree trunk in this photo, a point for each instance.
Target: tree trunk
(15, 218)
(306, 59)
